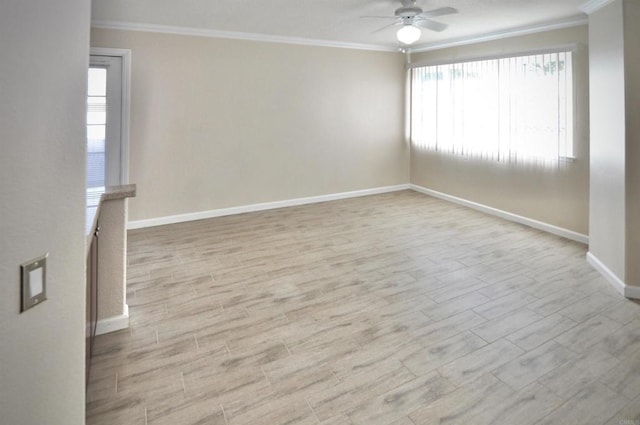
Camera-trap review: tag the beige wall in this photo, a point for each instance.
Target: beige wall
(556, 196)
(632, 90)
(607, 183)
(112, 264)
(219, 123)
(43, 82)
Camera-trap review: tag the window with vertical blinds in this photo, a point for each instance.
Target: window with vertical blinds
(514, 109)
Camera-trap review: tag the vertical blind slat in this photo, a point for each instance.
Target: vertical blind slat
(510, 109)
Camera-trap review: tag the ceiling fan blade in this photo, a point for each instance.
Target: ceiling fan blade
(379, 17)
(431, 25)
(385, 27)
(439, 12)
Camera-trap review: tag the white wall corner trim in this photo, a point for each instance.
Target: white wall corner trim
(201, 215)
(573, 21)
(624, 289)
(203, 32)
(632, 292)
(112, 324)
(594, 5)
(610, 276)
(550, 228)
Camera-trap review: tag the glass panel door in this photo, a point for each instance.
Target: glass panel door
(104, 116)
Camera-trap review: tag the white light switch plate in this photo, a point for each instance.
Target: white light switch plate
(34, 282)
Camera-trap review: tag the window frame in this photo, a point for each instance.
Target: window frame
(572, 48)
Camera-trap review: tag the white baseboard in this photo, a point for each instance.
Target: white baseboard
(122, 322)
(606, 272)
(201, 215)
(550, 228)
(612, 278)
(632, 292)
(112, 324)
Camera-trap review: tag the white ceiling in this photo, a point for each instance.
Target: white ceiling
(337, 21)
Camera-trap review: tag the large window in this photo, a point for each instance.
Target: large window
(516, 109)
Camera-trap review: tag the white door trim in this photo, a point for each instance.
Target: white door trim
(125, 124)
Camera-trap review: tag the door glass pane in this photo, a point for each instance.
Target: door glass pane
(97, 110)
(97, 81)
(96, 129)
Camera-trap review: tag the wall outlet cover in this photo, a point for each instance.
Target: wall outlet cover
(34, 282)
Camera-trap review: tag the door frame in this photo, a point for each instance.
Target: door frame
(125, 125)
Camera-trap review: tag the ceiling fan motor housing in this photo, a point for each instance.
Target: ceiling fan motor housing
(408, 12)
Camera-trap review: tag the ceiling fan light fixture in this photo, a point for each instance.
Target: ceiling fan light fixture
(408, 34)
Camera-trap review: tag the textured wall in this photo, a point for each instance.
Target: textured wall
(113, 262)
(219, 123)
(43, 82)
(632, 95)
(607, 187)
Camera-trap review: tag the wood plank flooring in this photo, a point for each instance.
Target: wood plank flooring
(394, 309)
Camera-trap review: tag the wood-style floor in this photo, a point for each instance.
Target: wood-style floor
(394, 309)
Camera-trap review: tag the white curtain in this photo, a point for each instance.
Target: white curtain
(515, 109)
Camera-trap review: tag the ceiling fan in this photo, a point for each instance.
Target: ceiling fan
(411, 17)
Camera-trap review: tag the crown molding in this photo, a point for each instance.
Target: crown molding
(573, 21)
(577, 20)
(594, 5)
(200, 32)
